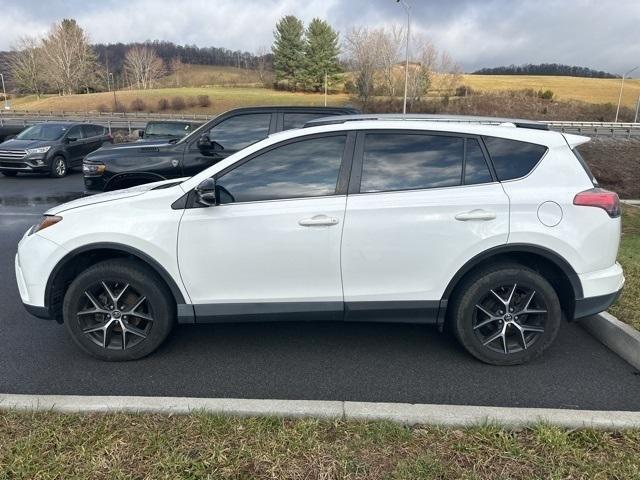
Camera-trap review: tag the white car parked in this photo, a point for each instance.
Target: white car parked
(493, 229)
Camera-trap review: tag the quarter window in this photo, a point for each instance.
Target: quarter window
(237, 132)
(411, 161)
(308, 168)
(512, 158)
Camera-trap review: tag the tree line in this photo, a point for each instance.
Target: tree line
(557, 69)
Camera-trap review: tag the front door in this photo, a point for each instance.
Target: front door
(231, 134)
(272, 244)
(421, 204)
(76, 145)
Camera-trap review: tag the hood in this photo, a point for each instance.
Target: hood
(110, 196)
(123, 149)
(15, 144)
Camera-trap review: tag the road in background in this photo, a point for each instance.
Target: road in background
(289, 360)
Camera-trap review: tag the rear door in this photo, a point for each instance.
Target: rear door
(420, 205)
(232, 134)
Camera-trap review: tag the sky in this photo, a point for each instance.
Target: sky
(602, 34)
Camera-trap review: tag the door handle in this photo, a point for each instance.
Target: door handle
(478, 214)
(319, 221)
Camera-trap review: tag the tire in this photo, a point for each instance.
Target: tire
(480, 313)
(59, 167)
(128, 331)
(8, 173)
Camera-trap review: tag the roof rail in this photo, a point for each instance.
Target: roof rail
(430, 118)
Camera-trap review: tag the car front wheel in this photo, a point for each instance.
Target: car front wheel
(506, 314)
(58, 167)
(118, 310)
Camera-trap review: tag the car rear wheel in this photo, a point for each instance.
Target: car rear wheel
(9, 173)
(58, 167)
(506, 314)
(118, 310)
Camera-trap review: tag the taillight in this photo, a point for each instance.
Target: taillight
(601, 198)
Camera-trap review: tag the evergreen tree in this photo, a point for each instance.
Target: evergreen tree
(288, 50)
(321, 50)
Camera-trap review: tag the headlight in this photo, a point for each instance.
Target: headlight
(45, 222)
(93, 168)
(33, 151)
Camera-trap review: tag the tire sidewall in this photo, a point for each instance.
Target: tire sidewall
(473, 292)
(145, 284)
(54, 163)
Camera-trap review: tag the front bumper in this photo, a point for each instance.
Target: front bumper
(94, 184)
(27, 165)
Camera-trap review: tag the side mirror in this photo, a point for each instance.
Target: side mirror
(207, 146)
(206, 192)
(71, 139)
(141, 133)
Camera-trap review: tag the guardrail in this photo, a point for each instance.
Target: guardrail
(137, 120)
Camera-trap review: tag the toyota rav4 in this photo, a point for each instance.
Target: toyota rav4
(493, 229)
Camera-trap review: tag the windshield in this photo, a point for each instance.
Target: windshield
(167, 129)
(43, 132)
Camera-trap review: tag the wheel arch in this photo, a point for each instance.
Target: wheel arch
(552, 266)
(79, 259)
(127, 176)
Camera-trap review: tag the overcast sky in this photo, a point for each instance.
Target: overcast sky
(601, 34)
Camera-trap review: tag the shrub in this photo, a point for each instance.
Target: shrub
(204, 100)
(191, 102)
(464, 91)
(177, 103)
(163, 104)
(138, 105)
(102, 108)
(546, 95)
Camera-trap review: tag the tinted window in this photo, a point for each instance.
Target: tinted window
(410, 161)
(511, 158)
(297, 120)
(308, 168)
(43, 131)
(585, 166)
(75, 132)
(237, 132)
(90, 130)
(167, 129)
(475, 167)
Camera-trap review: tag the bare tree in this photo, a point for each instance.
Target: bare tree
(68, 57)
(143, 66)
(26, 64)
(362, 47)
(390, 52)
(177, 68)
(264, 66)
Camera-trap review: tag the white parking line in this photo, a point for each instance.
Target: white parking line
(447, 415)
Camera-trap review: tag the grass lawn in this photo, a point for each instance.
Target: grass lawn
(592, 90)
(627, 308)
(114, 446)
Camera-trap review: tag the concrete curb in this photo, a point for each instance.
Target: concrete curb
(410, 414)
(621, 338)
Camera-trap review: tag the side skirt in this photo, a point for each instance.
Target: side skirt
(391, 312)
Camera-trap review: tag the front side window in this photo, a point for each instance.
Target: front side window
(75, 132)
(237, 132)
(307, 168)
(398, 161)
(511, 158)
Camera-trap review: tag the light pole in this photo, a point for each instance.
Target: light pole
(635, 120)
(406, 66)
(4, 93)
(621, 87)
(115, 102)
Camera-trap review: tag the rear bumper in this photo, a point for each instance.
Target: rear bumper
(586, 307)
(600, 289)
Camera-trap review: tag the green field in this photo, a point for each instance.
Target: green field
(627, 308)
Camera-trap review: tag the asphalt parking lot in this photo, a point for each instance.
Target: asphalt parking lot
(289, 360)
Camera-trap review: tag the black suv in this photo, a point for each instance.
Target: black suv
(51, 148)
(129, 165)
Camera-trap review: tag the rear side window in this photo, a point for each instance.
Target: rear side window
(410, 161)
(512, 158)
(237, 132)
(476, 169)
(297, 120)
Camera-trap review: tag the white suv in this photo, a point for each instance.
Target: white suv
(493, 230)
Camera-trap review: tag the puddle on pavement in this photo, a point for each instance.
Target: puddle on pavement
(15, 201)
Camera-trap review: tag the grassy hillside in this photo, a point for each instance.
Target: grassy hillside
(592, 90)
(222, 98)
(209, 75)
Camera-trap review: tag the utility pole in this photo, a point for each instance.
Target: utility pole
(115, 102)
(4, 93)
(621, 87)
(406, 67)
(635, 120)
(325, 89)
